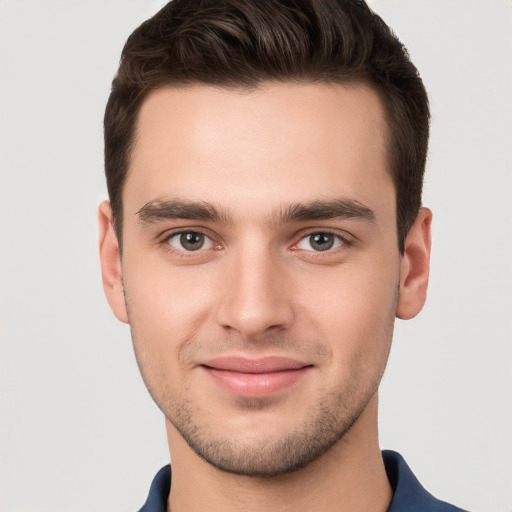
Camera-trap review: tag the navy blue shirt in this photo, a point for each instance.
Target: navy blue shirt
(408, 494)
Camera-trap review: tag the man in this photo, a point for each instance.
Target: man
(264, 162)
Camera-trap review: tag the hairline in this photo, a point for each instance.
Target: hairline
(350, 80)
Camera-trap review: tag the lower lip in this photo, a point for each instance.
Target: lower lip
(256, 385)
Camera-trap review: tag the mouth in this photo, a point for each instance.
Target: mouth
(255, 378)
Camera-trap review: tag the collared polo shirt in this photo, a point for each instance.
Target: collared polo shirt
(408, 494)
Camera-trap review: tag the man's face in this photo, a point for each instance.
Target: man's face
(261, 266)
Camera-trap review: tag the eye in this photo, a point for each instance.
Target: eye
(190, 241)
(321, 241)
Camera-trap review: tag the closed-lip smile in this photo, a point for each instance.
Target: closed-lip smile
(255, 377)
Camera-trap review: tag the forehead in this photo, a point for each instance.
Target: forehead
(278, 143)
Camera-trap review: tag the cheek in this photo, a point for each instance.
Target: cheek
(352, 309)
(163, 315)
(351, 295)
(165, 302)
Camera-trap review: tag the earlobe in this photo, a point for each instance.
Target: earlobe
(110, 259)
(415, 267)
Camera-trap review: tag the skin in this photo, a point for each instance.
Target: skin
(259, 287)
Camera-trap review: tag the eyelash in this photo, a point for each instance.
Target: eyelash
(183, 253)
(344, 243)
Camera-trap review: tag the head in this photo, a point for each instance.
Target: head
(264, 162)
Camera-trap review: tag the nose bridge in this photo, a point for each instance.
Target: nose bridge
(254, 299)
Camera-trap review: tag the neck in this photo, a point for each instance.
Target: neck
(349, 476)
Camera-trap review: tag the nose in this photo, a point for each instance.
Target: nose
(256, 298)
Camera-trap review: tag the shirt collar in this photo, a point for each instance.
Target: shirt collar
(408, 494)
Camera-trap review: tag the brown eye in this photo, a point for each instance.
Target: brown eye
(189, 241)
(192, 241)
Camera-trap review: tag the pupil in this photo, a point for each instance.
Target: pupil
(322, 241)
(192, 241)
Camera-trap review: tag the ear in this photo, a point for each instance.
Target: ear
(110, 259)
(415, 267)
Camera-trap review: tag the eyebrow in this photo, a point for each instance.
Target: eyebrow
(343, 208)
(160, 210)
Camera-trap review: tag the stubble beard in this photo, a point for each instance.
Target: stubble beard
(271, 456)
(326, 423)
(328, 420)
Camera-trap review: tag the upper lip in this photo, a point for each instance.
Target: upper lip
(266, 364)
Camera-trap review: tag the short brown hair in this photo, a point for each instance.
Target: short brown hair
(244, 43)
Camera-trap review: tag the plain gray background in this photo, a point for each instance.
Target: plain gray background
(78, 429)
